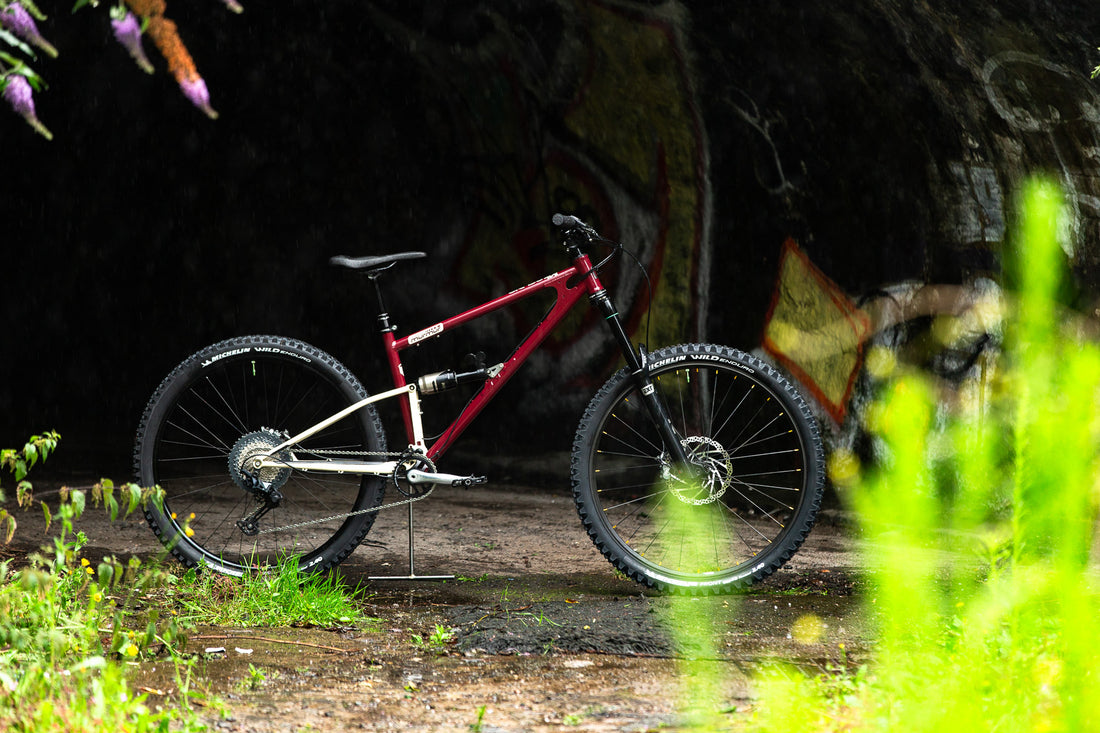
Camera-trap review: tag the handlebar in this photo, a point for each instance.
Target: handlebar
(576, 234)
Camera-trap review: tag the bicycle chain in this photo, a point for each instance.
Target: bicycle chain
(387, 454)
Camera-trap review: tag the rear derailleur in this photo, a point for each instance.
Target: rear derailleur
(268, 495)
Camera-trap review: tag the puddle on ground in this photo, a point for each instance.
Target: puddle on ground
(740, 629)
(526, 655)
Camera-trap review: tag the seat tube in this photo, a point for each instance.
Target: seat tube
(397, 373)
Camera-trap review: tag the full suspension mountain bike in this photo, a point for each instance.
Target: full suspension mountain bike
(695, 468)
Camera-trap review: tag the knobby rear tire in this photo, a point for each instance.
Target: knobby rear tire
(210, 405)
(758, 468)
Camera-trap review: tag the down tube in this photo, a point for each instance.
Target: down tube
(567, 298)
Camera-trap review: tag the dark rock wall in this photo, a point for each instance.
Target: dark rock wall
(887, 139)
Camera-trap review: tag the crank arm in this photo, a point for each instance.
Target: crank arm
(416, 476)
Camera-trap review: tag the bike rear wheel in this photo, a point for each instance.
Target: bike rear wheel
(747, 501)
(243, 397)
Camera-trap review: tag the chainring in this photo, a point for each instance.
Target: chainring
(408, 462)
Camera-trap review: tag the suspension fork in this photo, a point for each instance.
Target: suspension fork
(637, 362)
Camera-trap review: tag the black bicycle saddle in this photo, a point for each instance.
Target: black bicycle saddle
(373, 262)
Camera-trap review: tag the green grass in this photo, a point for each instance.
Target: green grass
(67, 630)
(981, 523)
(694, 624)
(979, 516)
(71, 629)
(281, 597)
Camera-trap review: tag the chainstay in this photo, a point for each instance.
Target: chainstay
(387, 454)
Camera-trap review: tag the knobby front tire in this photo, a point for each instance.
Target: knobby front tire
(749, 497)
(238, 397)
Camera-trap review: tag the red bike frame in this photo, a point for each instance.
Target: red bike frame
(569, 285)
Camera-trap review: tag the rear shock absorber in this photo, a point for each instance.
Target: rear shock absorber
(449, 378)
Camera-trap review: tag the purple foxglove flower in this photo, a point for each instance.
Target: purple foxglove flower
(128, 33)
(17, 20)
(195, 90)
(20, 96)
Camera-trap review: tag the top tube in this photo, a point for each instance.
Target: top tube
(558, 281)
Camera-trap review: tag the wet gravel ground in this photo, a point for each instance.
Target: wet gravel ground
(536, 632)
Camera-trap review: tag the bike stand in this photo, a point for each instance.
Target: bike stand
(412, 572)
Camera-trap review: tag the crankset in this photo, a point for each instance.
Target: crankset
(415, 476)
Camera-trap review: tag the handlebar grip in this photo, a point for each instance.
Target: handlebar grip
(567, 220)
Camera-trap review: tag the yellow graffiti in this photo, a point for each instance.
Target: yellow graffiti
(815, 330)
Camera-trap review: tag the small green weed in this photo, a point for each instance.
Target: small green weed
(441, 635)
(439, 638)
(539, 618)
(257, 676)
(478, 725)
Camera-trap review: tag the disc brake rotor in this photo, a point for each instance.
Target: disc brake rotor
(714, 477)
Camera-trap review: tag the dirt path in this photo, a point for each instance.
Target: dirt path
(541, 632)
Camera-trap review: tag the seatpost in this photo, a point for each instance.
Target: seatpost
(383, 316)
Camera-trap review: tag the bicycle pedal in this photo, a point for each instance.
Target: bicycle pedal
(468, 481)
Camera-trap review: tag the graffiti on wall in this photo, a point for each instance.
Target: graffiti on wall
(1051, 121)
(836, 348)
(1055, 114)
(815, 331)
(590, 111)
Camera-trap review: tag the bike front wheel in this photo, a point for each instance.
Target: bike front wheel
(746, 501)
(244, 397)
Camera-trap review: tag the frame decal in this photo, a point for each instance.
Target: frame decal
(427, 333)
